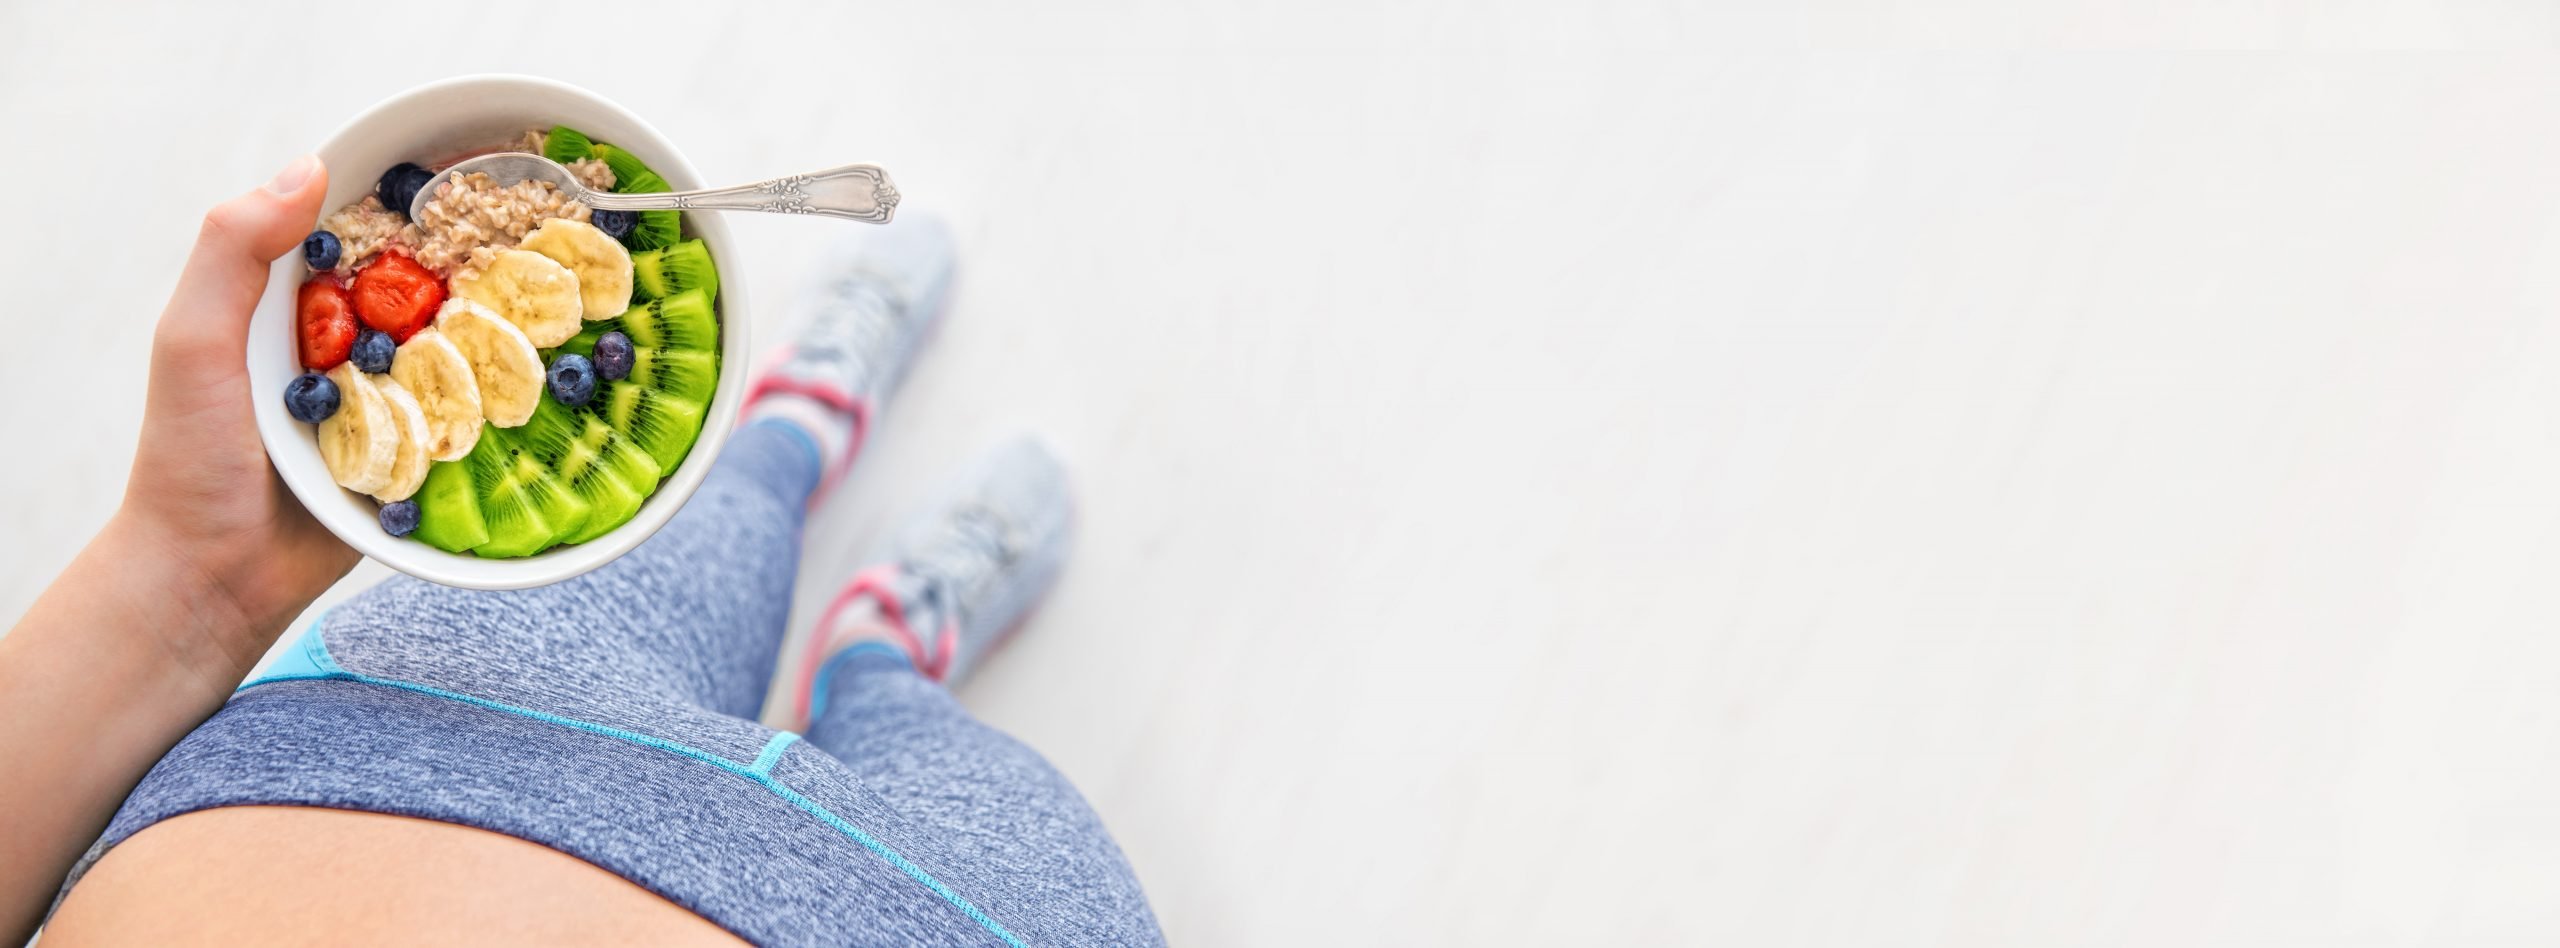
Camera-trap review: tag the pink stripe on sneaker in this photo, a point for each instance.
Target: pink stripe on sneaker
(875, 584)
(772, 383)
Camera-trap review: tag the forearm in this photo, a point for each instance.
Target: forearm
(127, 651)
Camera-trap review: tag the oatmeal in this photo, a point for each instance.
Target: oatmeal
(472, 219)
(364, 229)
(591, 172)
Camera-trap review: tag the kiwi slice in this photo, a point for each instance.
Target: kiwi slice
(449, 508)
(630, 176)
(565, 144)
(595, 464)
(654, 229)
(661, 425)
(667, 271)
(626, 166)
(584, 343)
(684, 373)
(682, 321)
(508, 521)
(564, 511)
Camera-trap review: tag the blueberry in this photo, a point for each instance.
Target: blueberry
(320, 250)
(399, 517)
(400, 185)
(615, 224)
(311, 398)
(373, 351)
(613, 357)
(573, 379)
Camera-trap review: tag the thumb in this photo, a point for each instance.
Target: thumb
(240, 238)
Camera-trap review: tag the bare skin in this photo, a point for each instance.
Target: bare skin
(147, 631)
(294, 876)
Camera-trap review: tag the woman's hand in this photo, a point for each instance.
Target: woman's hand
(201, 493)
(150, 627)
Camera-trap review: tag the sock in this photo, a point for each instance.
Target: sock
(829, 429)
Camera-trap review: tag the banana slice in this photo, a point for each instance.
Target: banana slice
(360, 443)
(503, 364)
(602, 266)
(530, 290)
(409, 466)
(440, 380)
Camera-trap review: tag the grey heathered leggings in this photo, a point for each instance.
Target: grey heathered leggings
(611, 717)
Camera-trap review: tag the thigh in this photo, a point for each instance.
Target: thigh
(976, 798)
(693, 616)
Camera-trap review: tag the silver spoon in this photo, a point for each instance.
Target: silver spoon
(852, 192)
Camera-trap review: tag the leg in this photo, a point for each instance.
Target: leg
(957, 582)
(990, 803)
(604, 717)
(693, 616)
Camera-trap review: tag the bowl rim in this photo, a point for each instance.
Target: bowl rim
(282, 436)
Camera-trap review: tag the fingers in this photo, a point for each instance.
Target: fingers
(239, 240)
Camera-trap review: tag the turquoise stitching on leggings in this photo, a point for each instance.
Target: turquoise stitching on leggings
(772, 753)
(765, 780)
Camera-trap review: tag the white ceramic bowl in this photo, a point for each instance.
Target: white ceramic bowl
(432, 122)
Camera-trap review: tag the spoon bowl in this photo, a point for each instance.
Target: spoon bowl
(505, 168)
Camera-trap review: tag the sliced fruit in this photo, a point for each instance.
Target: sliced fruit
(626, 166)
(528, 481)
(656, 228)
(584, 343)
(503, 482)
(324, 323)
(530, 290)
(449, 509)
(396, 295)
(409, 464)
(662, 425)
(504, 365)
(360, 443)
(565, 144)
(603, 268)
(682, 321)
(683, 373)
(440, 378)
(667, 271)
(598, 465)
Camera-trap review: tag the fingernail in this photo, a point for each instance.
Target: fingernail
(294, 175)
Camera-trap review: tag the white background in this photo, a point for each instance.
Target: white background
(1851, 473)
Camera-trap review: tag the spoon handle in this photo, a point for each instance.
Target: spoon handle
(853, 192)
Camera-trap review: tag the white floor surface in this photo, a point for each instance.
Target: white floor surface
(1610, 474)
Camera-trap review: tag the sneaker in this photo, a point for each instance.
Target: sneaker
(961, 577)
(884, 292)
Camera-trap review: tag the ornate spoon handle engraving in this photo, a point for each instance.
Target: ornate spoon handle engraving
(853, 192)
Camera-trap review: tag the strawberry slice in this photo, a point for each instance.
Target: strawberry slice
(325, 323)
(396, 295)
